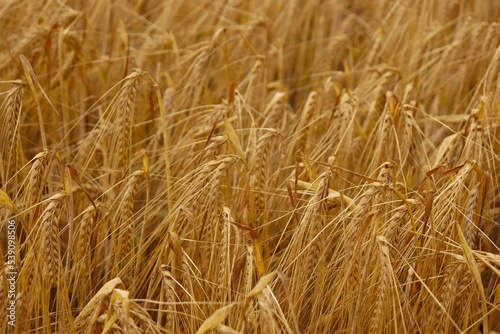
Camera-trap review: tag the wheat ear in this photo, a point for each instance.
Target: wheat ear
(124, 117)
(10, 142)
(50, 243)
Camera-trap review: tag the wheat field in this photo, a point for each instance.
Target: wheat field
(238, 166)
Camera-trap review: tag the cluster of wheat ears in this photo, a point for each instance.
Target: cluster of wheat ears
(251, 166)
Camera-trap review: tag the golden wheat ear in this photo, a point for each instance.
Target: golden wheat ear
(50, 242)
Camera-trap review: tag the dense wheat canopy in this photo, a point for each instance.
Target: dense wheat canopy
(237, 166)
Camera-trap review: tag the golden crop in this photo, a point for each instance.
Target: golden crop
(250, 166)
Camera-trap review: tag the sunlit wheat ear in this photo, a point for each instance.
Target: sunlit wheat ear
(473, 143)
(215, 242)
(446, 149)
(88, 146)
(169, 298)
(249, 269)
(258, 178)
(225, 263)
(36, 183)
(209, 179)
(465, 293)
(302, 128)
(446, 201)
(314, 221)
(393, 229)
(169, 103)
(378, 96)
(187, 297)
(172, 257)
(267, 315)
(253, 77)
(471, 229)
(249, 276)
(126, 222)
(387, 176)
(406, 133)
(82, 244)
(125, 314)
(446, 292)
(206, 207)
(11, 125)
(383, 297)
(120, 309)
(196, 79)
(50, 242)
(344, 124)
(408, 288)
(88, 316)
(384, 146)
(213, 119)
(275, 114)
(353, 224)
(124, 111)
(329, 93)
(213, 148)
